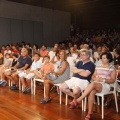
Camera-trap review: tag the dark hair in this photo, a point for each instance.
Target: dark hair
(57, 52)
(36, 54)
(8, 45)
(45, 46)
(7, 54)
(28, 44)
(117, 50)
(15, 55)
(108, 56)
(36, 46)
(46, 56)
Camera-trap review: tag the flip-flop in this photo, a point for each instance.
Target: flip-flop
(43, 101)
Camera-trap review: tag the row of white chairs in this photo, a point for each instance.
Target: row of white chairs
(33, 91)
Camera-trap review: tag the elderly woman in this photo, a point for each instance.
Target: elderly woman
(63, 74)
(102, 77)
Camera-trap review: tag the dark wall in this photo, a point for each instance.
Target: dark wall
(13, 31)
(105, 16)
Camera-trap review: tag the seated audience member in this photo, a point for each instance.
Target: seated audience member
(73, 53)
(14, 49)
(56, 61)
(44, 51)
(53, 52)
(97, 54)
(3, 48)
(47, 67)
(116, 53)
(8, 49)
(35, 49)
(6, 64)
(102, 77)
(72, 58)
(29, 49)
(25, 77)
(24, 62)
(75, 47)
(1, 58)
(81, 78)
(8, 70)
(63, 74)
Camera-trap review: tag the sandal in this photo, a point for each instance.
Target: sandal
(88, 117)
(74, 104)
(43, 101)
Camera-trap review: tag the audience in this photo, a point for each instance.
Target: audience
(80, 48)
(102, 77)
(47, 67)
(44, 51)
(82, 76)
(63, 74)
(24, 62)
(26, 75)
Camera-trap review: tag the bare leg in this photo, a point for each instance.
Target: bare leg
(38, 74)
(3, 75)
(22, 81)
(15, 78)
(48, 84)
(76, 92)
(91, 86)
(64, 88)
(28, 82)
(91, 99)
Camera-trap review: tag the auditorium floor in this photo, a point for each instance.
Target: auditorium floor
(14, 105)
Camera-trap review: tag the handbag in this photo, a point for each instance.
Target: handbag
(51, 76)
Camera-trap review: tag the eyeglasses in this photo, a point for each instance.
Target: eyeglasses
(82, 55)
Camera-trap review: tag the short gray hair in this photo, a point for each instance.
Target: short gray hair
(87, 52)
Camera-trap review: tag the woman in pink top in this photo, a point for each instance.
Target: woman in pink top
(102, 77)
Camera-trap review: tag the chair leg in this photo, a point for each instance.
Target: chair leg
(34, 86)
(66, 100)
(116, 101)
(60, 97)
(102, 107)
(98, 100)
(31, 86)
(44, 91)
(85, 100)
(9, 83)
(20, 85)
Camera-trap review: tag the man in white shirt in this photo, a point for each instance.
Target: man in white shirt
(52, 52)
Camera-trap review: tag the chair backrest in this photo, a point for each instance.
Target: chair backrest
(114, 85)
(71, 62)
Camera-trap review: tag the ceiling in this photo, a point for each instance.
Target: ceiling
(70, 5)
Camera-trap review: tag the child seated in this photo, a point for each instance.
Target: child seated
(4, 67)
(46, 68)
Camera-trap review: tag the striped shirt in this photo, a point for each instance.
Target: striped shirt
(104, 72)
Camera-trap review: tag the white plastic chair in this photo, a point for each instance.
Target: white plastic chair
(40, 80)
(21, 87)
(107, 93)
(34, 84)
(71, 62)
